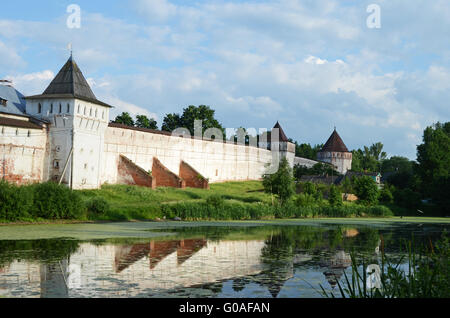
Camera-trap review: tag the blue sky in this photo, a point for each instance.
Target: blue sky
(311, 64)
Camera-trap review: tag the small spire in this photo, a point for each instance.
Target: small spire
(69, 47)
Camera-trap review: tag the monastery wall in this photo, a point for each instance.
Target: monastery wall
(22, 154)
(217, 162)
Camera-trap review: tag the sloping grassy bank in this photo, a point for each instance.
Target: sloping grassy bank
(227, 201)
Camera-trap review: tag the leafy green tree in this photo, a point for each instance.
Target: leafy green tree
(321, 169)
(188, 118)
(172, 122)
(366, 190)
(434, 164)
(386, 195)
(335, 196)
(143, 121)
(306, 150)
(124, 119)
(368, 159)
(281, 183)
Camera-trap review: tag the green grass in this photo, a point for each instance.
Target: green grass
(231, 201)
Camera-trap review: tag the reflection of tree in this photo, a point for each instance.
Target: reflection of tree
(43, 251)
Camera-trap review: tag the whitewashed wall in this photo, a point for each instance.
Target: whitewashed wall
(217, 161)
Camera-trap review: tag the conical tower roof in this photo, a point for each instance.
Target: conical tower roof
(70, 80)
(282, 135)
(70, 83)
(335, 144)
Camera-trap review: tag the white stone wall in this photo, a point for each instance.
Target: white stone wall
(81, 124)
(216, 161)
(342, 161)
(22, 154)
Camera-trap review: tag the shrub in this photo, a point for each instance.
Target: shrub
(386, 195)
(305, 199)
(335, 197)
(15, 202)
(407, 198)
(215, 200)
(366, 190)
(280, 183)
(53, 201)
(98, 206)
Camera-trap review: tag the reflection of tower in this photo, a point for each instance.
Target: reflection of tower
(53, 280)
(336, 267)
(278, 273)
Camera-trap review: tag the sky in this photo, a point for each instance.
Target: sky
(312, 65)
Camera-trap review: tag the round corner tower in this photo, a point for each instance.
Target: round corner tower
(336, 153)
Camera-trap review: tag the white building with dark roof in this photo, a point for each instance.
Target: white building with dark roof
(64, 135)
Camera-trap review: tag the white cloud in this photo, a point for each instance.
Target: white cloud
(32, 83)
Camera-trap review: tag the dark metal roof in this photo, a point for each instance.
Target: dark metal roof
(11, 122)
(70, 83)
(335, 144)
(282, 135)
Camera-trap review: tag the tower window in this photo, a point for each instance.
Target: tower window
(60, 108)
(51, 108)
(39, 108)
(68, 108)
(96, 113)
(29, 133)
(79, 109)
(90, 112)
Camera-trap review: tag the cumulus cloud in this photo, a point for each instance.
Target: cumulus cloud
(310, 64)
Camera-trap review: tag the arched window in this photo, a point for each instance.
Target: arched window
(96, 113)
(84, 111)
(39, 108)
(51, 108)
(68, 108)
(103, 115)
(29, 133)
(17, 132)
(79, 109)
(60, 108)
(90, 112)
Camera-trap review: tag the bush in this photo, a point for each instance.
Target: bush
(53, 201)
(98, 206)
(15, 202)
(407, 198)
(335, 197)
(280, 183)
(215, 200)
(386, 195)
(366, 190)
(305, 199)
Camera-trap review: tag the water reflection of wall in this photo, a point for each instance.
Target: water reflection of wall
(163, 264)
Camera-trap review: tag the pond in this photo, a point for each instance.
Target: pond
(196, 260)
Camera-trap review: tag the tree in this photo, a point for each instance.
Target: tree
(280, 183)
(368, 159)
(306, 150)
(143, 121)
(434, 164)
(366, 190)
(172, 122)
(124, 119)
(190, 115)
(335, 196)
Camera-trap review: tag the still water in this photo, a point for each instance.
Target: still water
(206, 260)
